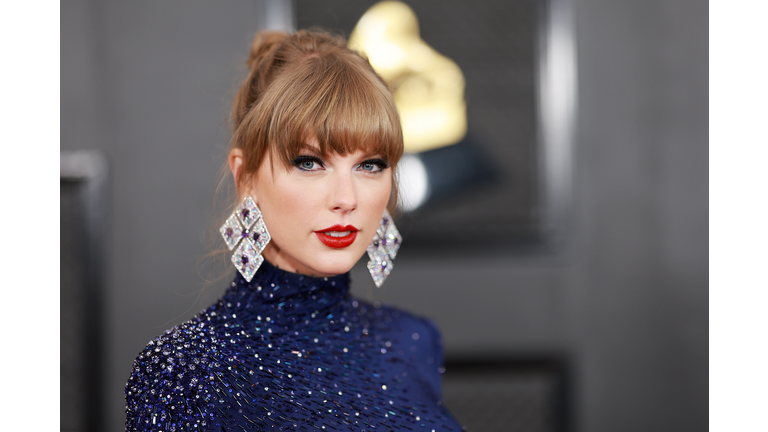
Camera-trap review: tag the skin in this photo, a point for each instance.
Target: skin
(298, 201)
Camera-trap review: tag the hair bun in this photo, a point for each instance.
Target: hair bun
(261, 62)
(264, 46)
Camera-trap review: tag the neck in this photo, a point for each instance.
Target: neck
(271, 283)
(283, 261)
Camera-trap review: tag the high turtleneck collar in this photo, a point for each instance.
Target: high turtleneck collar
(272, 284)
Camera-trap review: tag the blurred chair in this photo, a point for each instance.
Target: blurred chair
(509, 395)
(82, 218)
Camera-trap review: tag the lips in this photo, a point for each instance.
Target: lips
(337, 236)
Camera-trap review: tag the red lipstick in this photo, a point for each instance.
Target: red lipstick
(337, 236)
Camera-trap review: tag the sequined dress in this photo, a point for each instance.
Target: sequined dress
(292, 353)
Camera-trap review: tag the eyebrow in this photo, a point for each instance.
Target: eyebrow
(309, 148)
(373, 154)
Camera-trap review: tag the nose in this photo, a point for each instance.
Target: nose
(343, 193)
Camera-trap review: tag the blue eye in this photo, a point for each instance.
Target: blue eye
(374, 166)
(308, 163)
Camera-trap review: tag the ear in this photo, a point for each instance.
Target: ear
(235, 162)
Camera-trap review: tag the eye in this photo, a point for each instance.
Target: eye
(373, 166)
(308, 163)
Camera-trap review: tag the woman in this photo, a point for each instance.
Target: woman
(316, 142)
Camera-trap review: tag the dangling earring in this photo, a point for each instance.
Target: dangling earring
(383, 249)
(246, 224)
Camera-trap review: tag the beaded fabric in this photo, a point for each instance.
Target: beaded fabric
(290, 352)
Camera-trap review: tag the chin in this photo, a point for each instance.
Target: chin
(315, 259)
(335, 262)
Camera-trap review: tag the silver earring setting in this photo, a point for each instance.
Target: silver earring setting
(246, 227)
(383, 249)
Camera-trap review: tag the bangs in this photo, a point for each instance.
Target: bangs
(342, 104)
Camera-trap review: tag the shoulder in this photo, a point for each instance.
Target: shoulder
(170, 381)
(416, 339)
(411, 328)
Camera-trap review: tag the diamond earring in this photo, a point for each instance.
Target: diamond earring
(383, 249)
(246, 224)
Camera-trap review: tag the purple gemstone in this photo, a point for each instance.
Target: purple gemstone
(245, 213)
(244, 234)
(256, 236)
(229, 232)
(244, 260)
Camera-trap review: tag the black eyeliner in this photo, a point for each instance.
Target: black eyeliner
(380, 162)
(303, 158)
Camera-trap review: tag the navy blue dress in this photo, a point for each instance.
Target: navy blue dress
(290, 352)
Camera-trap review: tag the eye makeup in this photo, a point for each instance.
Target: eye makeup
(314, 163)
(375, 165)
(308, 163)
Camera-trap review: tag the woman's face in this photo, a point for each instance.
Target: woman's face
(322, 213)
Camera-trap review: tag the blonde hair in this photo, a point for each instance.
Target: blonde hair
(309, 85)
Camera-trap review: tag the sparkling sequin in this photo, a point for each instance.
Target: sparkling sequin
(293, 353)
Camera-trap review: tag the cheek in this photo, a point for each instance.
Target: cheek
(296, 204)
(374, 202)
(290, 205)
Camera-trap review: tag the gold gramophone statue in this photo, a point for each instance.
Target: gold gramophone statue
(428, 87)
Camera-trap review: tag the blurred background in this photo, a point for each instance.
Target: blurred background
(580, 301)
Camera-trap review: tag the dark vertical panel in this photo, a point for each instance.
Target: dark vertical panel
(82, 303)
(73, 280)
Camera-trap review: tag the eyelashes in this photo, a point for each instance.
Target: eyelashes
(308, 163)
(374, 165)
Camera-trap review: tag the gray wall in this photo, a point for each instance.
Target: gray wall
(149, 84)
